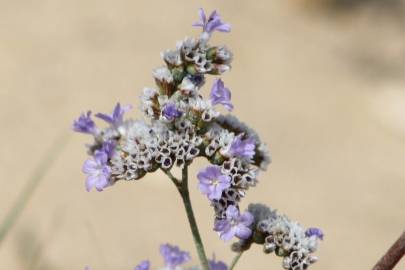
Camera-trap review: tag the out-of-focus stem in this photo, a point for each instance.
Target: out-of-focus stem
(235, 260)
(32, 184)
(393, 255)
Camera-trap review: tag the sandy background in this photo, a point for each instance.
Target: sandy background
(325, 89)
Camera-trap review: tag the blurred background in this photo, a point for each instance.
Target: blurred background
(322, 81)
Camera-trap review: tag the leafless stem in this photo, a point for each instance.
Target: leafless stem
(393, 255)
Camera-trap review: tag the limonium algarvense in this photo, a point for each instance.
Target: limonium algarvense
(184, 123)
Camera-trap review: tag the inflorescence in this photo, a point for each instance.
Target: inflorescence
(183, 125)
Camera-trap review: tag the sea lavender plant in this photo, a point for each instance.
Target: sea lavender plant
(182, 125)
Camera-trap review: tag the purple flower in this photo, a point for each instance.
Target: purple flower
(117, 116)
(221, 95)
(171, 112)
(242, 148)
(213, 23)
(98, 172)
(314, 232)
(173, 256)
(144, 265)
(109, 148)
(85, 124)
(213, 182)
(217, 265)
(234, 224)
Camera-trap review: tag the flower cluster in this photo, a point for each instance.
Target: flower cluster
(182, 125)
(286, 238)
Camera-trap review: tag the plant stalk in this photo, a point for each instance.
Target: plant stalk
(182, 187)
(185, 195)
(235, 260)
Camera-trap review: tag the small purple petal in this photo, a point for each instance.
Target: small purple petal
(171, 112)
(314, 232)
(213, 23)
(173, 256)
(109, 148)
(85, 124)
(221, 95)
(217, 265)
(232, 212)
(98, 172)
(117, 116)
(247, 218)
(243, 232)
(234, 224)
(212, 182)
(144, 265)
(228, 234)
(242, 148)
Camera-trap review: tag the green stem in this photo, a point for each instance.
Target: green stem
(182, 187)
(235, 260)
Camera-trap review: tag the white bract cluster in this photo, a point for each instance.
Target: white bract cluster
(286, 238)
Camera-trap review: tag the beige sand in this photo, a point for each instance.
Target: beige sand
(326, 92)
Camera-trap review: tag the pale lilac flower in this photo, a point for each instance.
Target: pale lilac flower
(234, 224)
(213, 182)
(98, 171)
(85, 124)
(217, 265)
(144, 265)
(314, 232)
(213, 23)
(171, 112)
(221, 95)
(173, 256)
(242, 148)
(117, 116)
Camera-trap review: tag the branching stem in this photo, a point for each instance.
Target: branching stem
(235, 260)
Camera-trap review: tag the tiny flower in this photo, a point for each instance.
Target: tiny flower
(221, 95)
(213, 182)
(213, 23)
(234, 224)
(242, 148)
(117, 116)
(171, 112)
(173, 256)
(109, 148)
(85, 124)
(314, 232)
(98, 172)
(144, 265)
(217, 265)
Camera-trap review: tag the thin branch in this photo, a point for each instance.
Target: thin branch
(185, 195)
(393, 255)
(235, 260)
(176, 181)
(182, 187)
